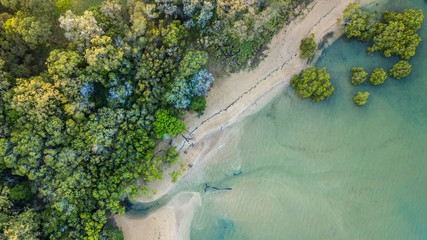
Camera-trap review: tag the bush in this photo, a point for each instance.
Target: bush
(378, 76)
(400, 70)
(198, 104)
(308, 46)
(361, 98)
(359, 76)
(313, 82)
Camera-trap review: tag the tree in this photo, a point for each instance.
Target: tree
(32, 30)
(20, 191)
(357, 23)
(361, 98)
(378, 76)
(64, 63)
(104, 56)
(201, 82)
(23, 226)
(396, 34)
(359, 76)
(166, 124)
(308, 46)
(36, 100)
(80, 29)
(198, 104)
(313, 82)
(400, 70)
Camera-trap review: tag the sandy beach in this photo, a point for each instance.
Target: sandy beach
(231, 99)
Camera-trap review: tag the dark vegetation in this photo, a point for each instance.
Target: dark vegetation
(84, 97)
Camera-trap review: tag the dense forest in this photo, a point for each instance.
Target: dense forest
(85, 96)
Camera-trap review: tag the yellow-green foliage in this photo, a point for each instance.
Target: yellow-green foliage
(308, 46)
(400, 70)
(361, 98)
(359, 76)
(313, 82)
(378, 76)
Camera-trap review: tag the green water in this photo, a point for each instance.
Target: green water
(329, 170)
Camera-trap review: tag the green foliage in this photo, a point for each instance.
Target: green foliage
(357, 23)
(361, 98)
(400, 70)
(111, 233)
(176, 174)
(396, 34)
(20, 191)
(239, 32)
(313, 82)
(377, 76)
(359, 76)
(198, 104)
(308, 46)
(23, 226)
(166, 124)
(36, 100)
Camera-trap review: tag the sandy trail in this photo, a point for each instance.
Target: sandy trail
(229, 100)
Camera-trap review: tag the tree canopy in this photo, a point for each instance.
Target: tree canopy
(400, 70)
(358, 76)
(377, 77)
(361, 98)
(308, 46)
(394, 34)
(314, 83)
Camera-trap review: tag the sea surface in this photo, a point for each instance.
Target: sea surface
(328, 170)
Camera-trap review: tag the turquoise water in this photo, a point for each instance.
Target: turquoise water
(328, 170)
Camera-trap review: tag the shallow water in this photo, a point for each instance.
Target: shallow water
(328, 170)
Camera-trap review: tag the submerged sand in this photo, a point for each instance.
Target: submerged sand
(229, 100)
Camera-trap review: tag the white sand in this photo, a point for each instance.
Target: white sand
(229, 100)
(167, 223)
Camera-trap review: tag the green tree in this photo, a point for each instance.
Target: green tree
(23, 226)
(21, 191)
(400, 70)
(313, 82)
(359, 76)
(357, 23)
(36, 99)
(396, 34)
(361, 98)
(377, 76)
(308, 46)
(64, 63)
(166, 124)
(198, 104)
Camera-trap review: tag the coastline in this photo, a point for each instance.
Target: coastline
(247, 92)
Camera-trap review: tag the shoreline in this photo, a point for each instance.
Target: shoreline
(247, 92)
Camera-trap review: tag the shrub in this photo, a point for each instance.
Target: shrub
(359, 76)
(313, 82)
(361, 98)
(400, 70)
(378, 76)
(308, 46)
